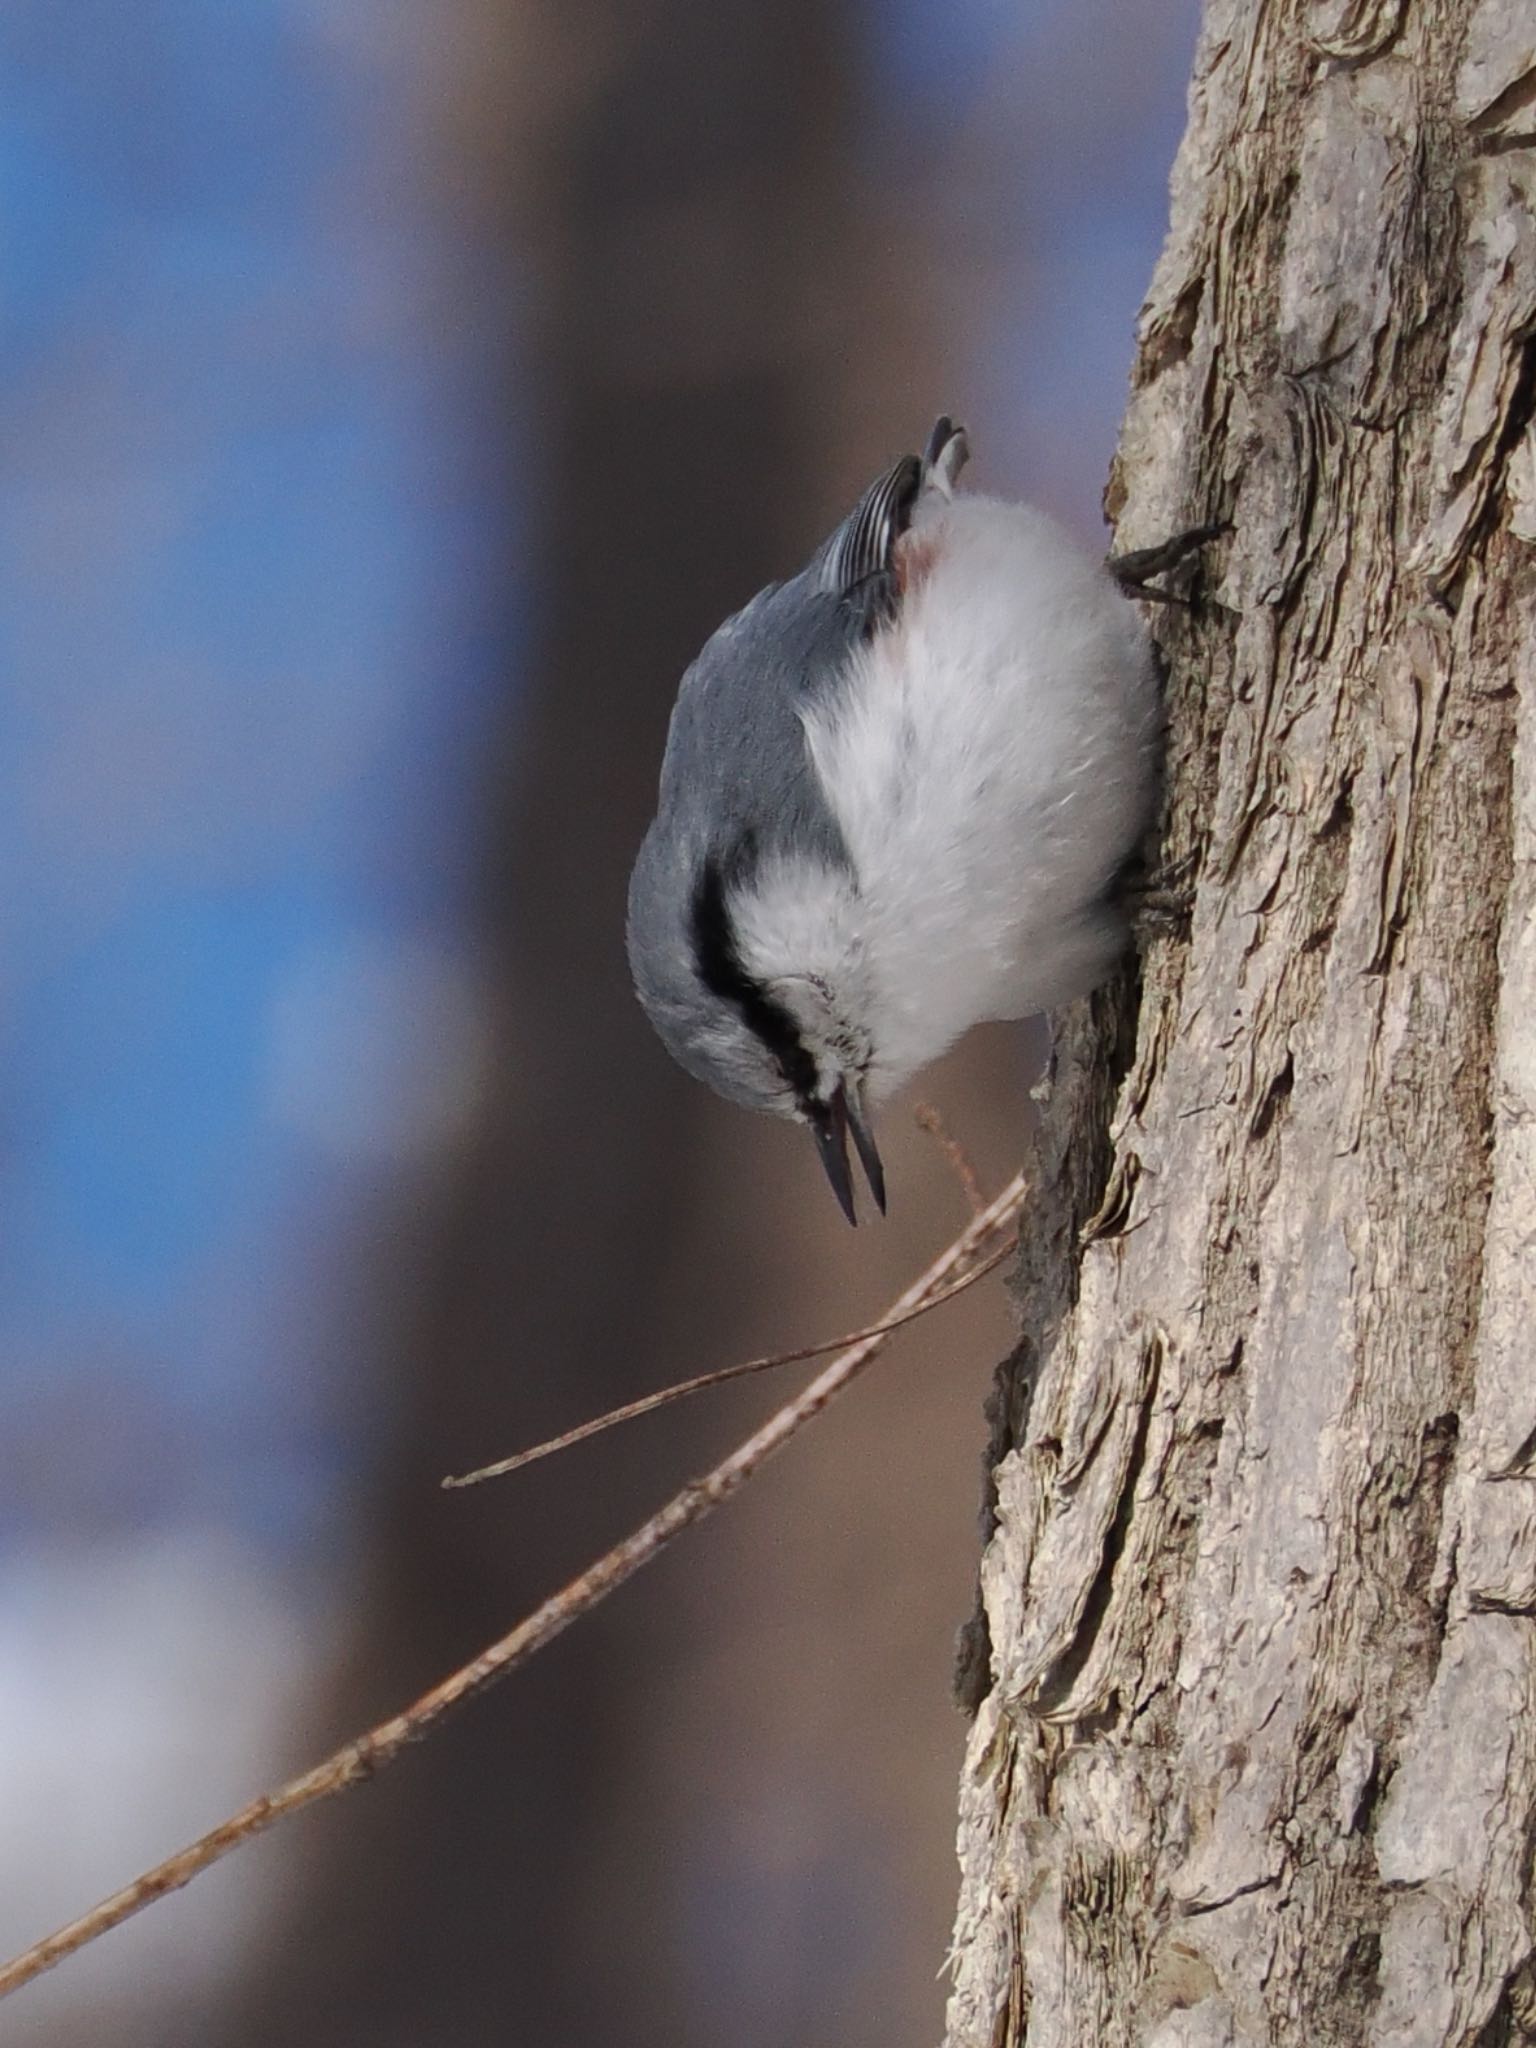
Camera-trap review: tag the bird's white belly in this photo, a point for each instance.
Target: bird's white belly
(990, 760)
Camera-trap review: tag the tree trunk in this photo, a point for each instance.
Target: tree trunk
(523, 1276)
(1257, 1757)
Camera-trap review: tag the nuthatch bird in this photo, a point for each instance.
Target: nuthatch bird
(899, 793)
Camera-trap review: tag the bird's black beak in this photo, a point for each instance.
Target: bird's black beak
(864, 1144)
(831, 1122)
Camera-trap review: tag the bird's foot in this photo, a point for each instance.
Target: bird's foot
(1134, 570)
(1158, 903)
(1162, 911)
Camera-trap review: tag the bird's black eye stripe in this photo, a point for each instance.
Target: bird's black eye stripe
(718, 961)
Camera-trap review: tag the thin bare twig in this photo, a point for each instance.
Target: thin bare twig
(663, 1398)
(928, 1119)
(369, 1753)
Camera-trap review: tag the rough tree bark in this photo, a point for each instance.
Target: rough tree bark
(1256, 1760)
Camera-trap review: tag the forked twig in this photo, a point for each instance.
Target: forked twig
(722, 1374)
(368, 1753)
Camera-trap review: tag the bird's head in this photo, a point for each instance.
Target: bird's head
(759, 987)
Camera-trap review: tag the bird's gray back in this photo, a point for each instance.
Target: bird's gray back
(737, 783)
(736, 761)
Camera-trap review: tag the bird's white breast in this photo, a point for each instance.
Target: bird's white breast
(990, 759)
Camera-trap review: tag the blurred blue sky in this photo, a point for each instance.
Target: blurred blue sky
(244, 538)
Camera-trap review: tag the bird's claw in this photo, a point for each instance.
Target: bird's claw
(1134, 570)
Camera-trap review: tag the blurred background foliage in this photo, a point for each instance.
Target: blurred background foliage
(395, 396)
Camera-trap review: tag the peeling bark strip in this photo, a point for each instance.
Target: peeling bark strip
(1258, 1760)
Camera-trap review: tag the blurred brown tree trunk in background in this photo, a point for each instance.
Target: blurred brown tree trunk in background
(678, 1811)
(1258, 1761)
(673, 172)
